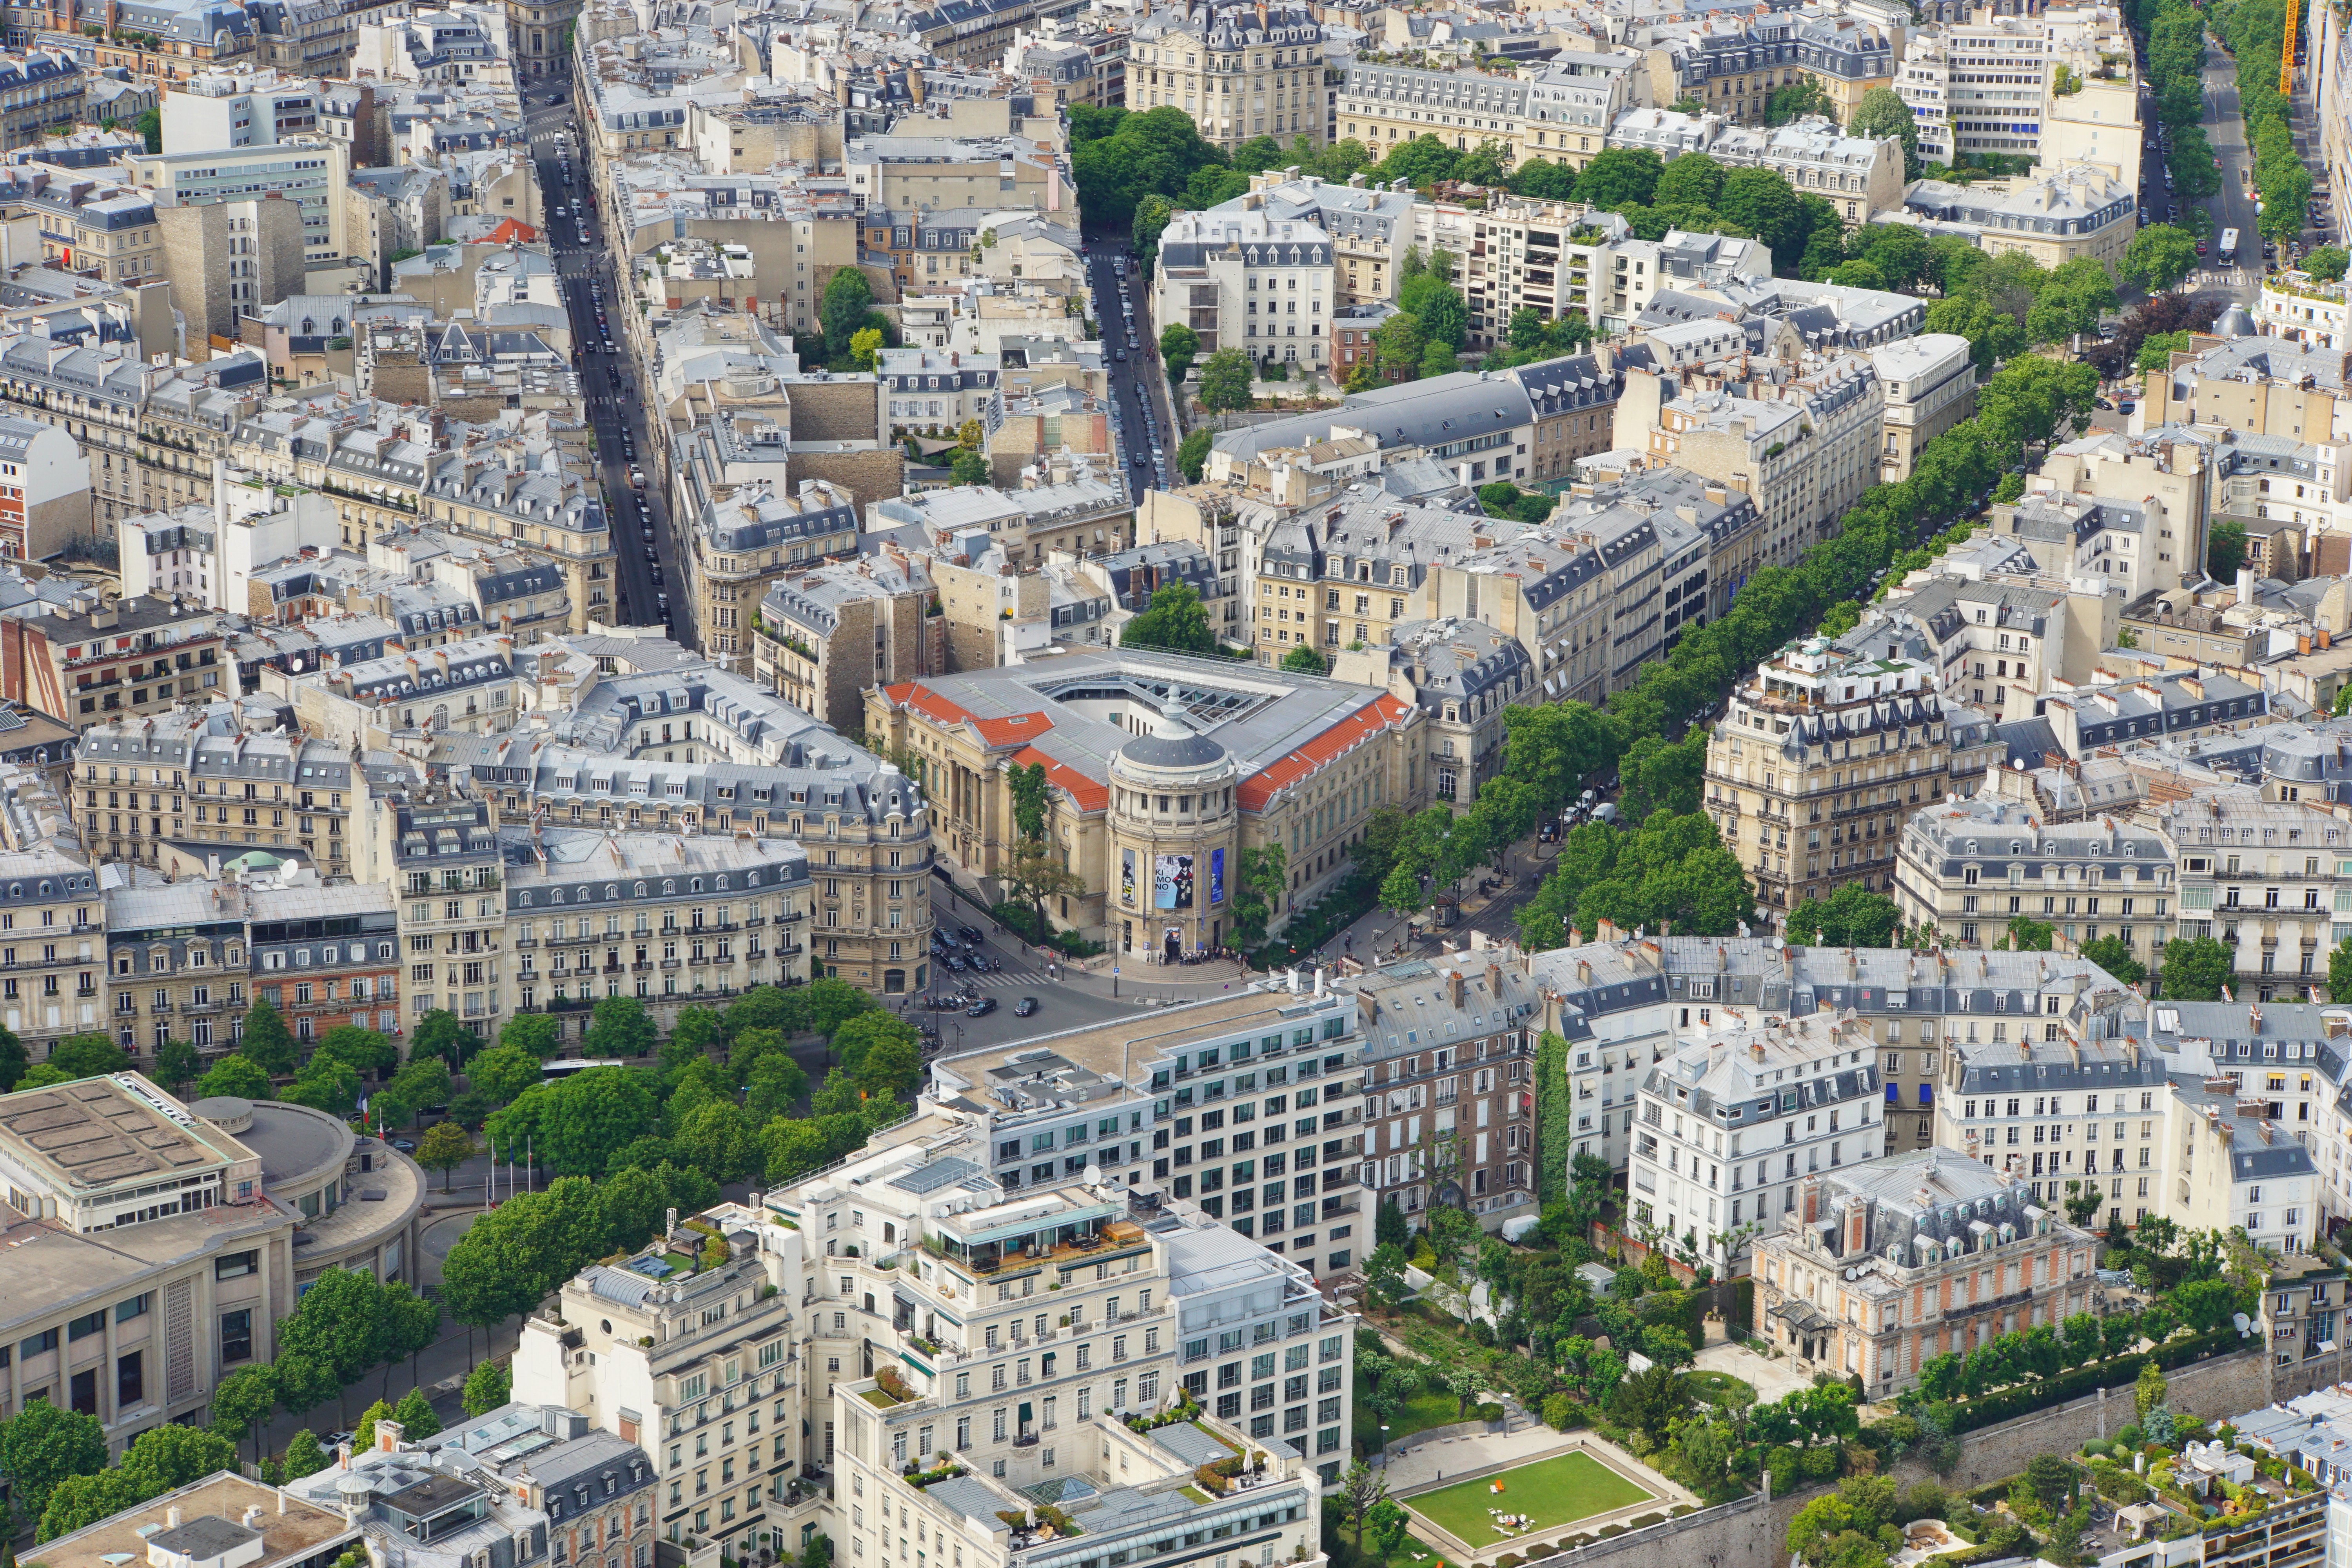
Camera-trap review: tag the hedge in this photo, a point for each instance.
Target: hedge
(2117, 1372)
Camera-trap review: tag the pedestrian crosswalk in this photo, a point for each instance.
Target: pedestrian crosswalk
(1006, 979)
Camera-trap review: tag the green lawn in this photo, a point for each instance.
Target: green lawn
(1431, 1408)
(1554, 1491)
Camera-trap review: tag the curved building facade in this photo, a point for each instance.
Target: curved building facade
(1175, 839)
(355, 1201)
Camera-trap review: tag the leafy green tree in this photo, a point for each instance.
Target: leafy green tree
(1852, 916)
(177, 1064)
(362, 1050)
(1261, 877)
(1882, 112)
(865, 346)
(777, 1085)
(1151, 216)
(969, 468)
(1444, 316)
(1180, 346)
(2195, 968)
(363, 1436)
(2325, 263)
(445, 1146)
(534, 1034)
(2159, 257)
(1175, 621)
(439, 1033)
(1437, 358)
(619, 1027)
(1804, 96)
(716, 1140)
(848, 300)
(574, 1124)
(1193, 455)
(1228, 383)
(2078, 294)
(1692, 180)
(339, 1323)
(42, 1445)
(2225, 551)
(487, 1388)
(1305, 661)
(1399, 345)
(265, 1042)
(88, 1055)
(241, 1400)
(1617, 178)
(2111, 954)
(325, 1083)
(504, 1072)
(304, 1457)
(415, 1414)
(2029, 935)
(236, 1077)
(2339, 965)
(1420, 163)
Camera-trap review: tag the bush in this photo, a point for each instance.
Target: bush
(1021, 920)
(1562, 1414)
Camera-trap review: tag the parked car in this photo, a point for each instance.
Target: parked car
(637, 479)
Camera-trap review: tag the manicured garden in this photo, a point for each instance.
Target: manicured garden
(1554, 1491)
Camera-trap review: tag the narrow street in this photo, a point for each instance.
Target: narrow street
(1146, 446)
(648, 558)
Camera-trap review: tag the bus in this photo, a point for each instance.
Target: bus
(567, 1066)
(2229, 248)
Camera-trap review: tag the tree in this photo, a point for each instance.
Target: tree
(1438, 358)
(2083, 1203)
(1420, 163)
(1259, 883)
(537, 1035)
(1389, 1228)
(1193, 455)
(2029, 935)
(619, 1027)
(716, 1140)
(415, 1414)
(88, 1055)
(362, 1050)
(241, 1400)
(1617, 177)
(1305, 661)
(2148, 1391)
(1228, 380)
(176, 1063)
(504, 1072)
(1034, 871)
(238, 1077)
(848, 300)
(304, 1457)
(1361, 1490)
(265, 1042)
(864, 344)
(2327, 263)
(2225, 551)
(2111, 954)
(2195, 968)
(340, 1324)
(1175, 621)
(2339, 965)
(487, 1388)
(439, 1033)
(2159, 257)
(42, 1445)
(1882, 113)
(1851, 917)
(1179, 346)
(1804, 96)
(444, 1148)
(325, 1083)
(969, 468)
(1692, 180)
(576, 1123)
(1399, 345)
(1384, 1282)
(363, 1436)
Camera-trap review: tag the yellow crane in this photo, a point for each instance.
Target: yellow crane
(2286, 52)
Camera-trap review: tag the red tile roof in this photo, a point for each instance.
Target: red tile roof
(1013, 728)
(926, 702)
(1294, 764)
(1088, 795)
(513, 231)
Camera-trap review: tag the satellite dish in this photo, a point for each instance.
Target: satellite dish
(1094, 1176)
(2244, 1326)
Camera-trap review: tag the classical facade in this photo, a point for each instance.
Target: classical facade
(1156, 796)
(1239, 70)
(1879, 1267)
(1819, 756)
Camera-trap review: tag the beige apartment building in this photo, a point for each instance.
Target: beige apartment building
(1239, 70)
(747, 541)
(1822, 754)
(823, 635)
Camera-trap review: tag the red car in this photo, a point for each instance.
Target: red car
(2201, 247)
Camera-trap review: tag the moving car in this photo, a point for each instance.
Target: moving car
(981, 1008)
(1026, 1005)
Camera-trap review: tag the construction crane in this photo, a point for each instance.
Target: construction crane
(2286, 52)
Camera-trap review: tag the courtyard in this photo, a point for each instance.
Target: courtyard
(1551, 1492)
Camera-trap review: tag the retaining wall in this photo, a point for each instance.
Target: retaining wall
(1751, 1532)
